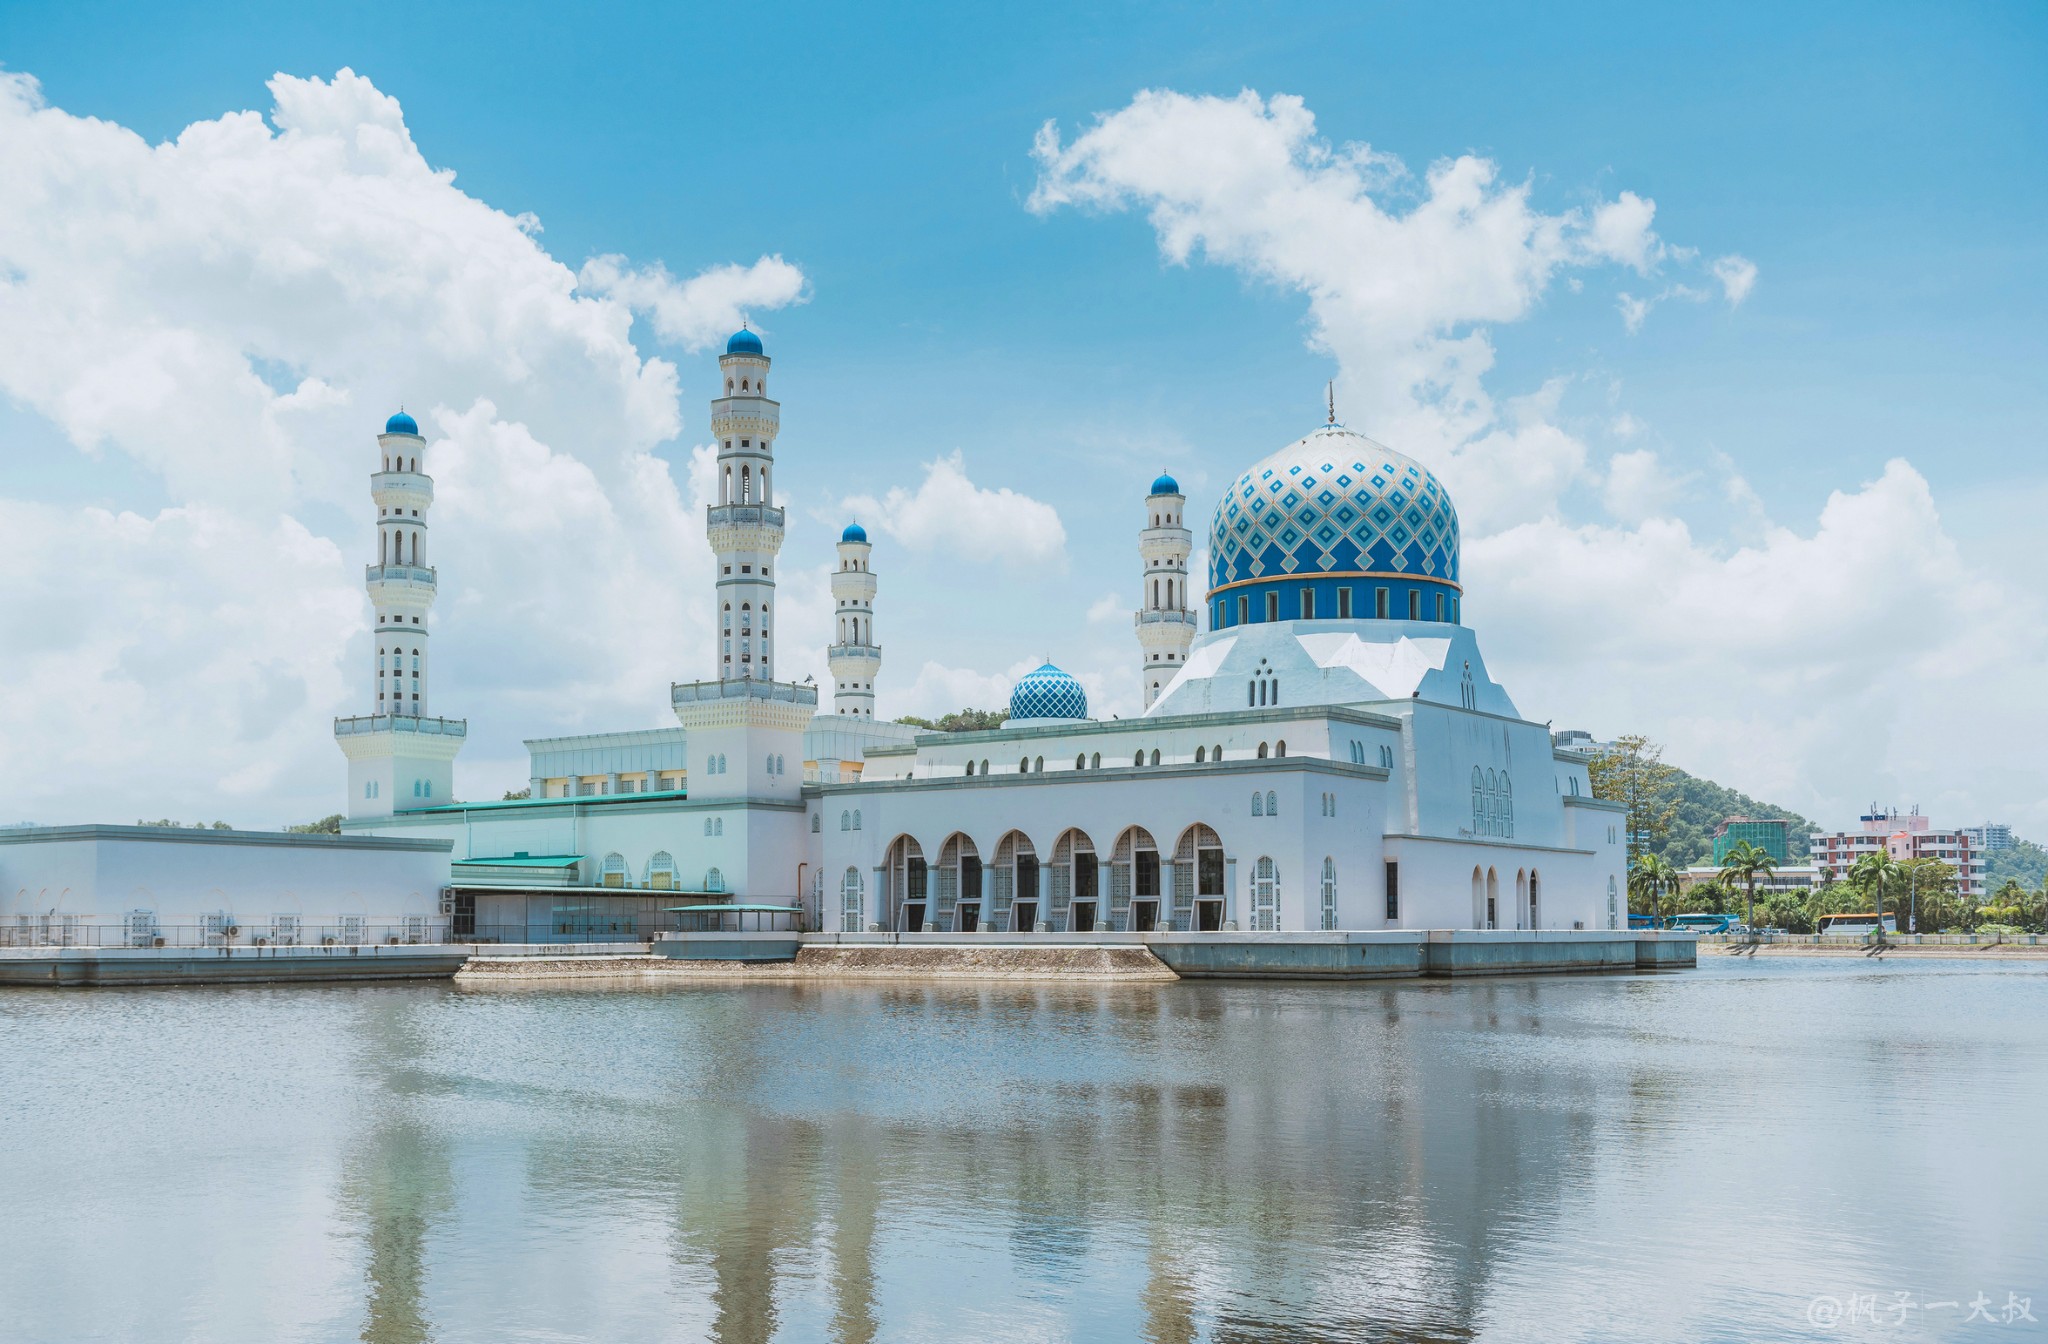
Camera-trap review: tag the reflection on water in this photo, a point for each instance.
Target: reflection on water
(1676, 1157)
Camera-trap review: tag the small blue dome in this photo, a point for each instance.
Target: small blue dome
(1165, 485)
(1048, 693)
(743, 342)
(401, 424)
(854, 532)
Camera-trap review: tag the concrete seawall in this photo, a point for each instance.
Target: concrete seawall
(1375, 955)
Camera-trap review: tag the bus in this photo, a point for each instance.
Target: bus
(1857, 926)
(1704, 923)
(1636, 921)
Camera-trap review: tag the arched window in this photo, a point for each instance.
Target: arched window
(714, 880)
(1280, 747)
(1507, 806)
(845, 821)
(1387, 756)
(984, 765)
(1478, 803)
(1612, 913)
(613, 873)
(770, 767)
(1038, 765)
(778, 764)
(1265, 896)
(1216, 752)
(661, 871)
(1081, 761)
(970, 768)
(817, 823)
(1329, 894)
(1262, 751)
(1024, 766)
(707, 826)
(856, 818)
(1138, 759)
(1258, 803)
(1272, 803)
(1201, 754)
(1155, 755)
(1095, 761)
(849, 901)
(718, 826)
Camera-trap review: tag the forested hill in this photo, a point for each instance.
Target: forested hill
(1703, 805)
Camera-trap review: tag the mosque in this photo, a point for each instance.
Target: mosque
(1322, 747)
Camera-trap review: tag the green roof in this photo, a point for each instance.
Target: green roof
(524, 861)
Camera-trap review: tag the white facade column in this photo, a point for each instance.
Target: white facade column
(1164, 620)
(854, 656)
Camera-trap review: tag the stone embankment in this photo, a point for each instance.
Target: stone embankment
(882, 962)
(1899, 950)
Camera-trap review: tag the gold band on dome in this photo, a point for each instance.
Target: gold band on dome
(1452, 584)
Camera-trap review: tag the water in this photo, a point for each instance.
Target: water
(1680, 1157)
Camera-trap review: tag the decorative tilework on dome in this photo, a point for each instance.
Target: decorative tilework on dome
(1334, 502)
(1048, 693)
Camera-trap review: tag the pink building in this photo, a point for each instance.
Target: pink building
(1904, 836)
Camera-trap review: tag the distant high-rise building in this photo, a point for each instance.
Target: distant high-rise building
(1768, 834)
(1990, 836)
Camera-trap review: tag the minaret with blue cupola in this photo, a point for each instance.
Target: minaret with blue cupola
(745, 526)
(854, 657)
(1165, 623)
(400, 756)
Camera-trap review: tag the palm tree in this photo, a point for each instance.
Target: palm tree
(1874, 870)
(1651, 878)
(1745, 863)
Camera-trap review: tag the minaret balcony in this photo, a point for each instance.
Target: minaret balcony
(411, 574)
(700, 692)
(743, 515)
(855, 651)
(358, 724)
(1145, 618)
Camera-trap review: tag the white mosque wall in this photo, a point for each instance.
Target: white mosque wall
(115, 880)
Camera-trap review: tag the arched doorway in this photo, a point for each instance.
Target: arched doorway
(1535, 909)
(1198, 880)
(905, 899)
(1521, 894)
(1076, 898)
(1492, 898)
(1134, 882)
(1014, 898)
(1478, 897)
(958, 907)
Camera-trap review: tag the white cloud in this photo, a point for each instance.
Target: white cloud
(1639, 487)
(1737, 276)
(1621, 232)
(705, 308)
(236, 310)
(949, 513)
(1633, 310)
(1799, 664)
(1108, 607)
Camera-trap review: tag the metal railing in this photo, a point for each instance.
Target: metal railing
(742, 515)
(1863, 937)
(741, 688)
(852, 651)
(221, 931)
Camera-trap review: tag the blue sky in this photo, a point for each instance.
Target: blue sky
(1880, 166)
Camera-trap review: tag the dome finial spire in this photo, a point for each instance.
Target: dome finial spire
(1330, 392)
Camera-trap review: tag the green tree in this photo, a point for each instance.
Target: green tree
(328, 825)
(1745, 863)
(1871, 874)
(1928, 890)
(1632, 772)
(520, 795)
(1650, 881)
(960, 721)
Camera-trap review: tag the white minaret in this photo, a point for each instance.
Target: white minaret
(745, 527)
(400, 757)
(854, 656)
(1166, 626)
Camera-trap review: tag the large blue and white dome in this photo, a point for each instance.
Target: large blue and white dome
(1333, 526)
(401, 423)
(1048, 693)
(743, 342)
